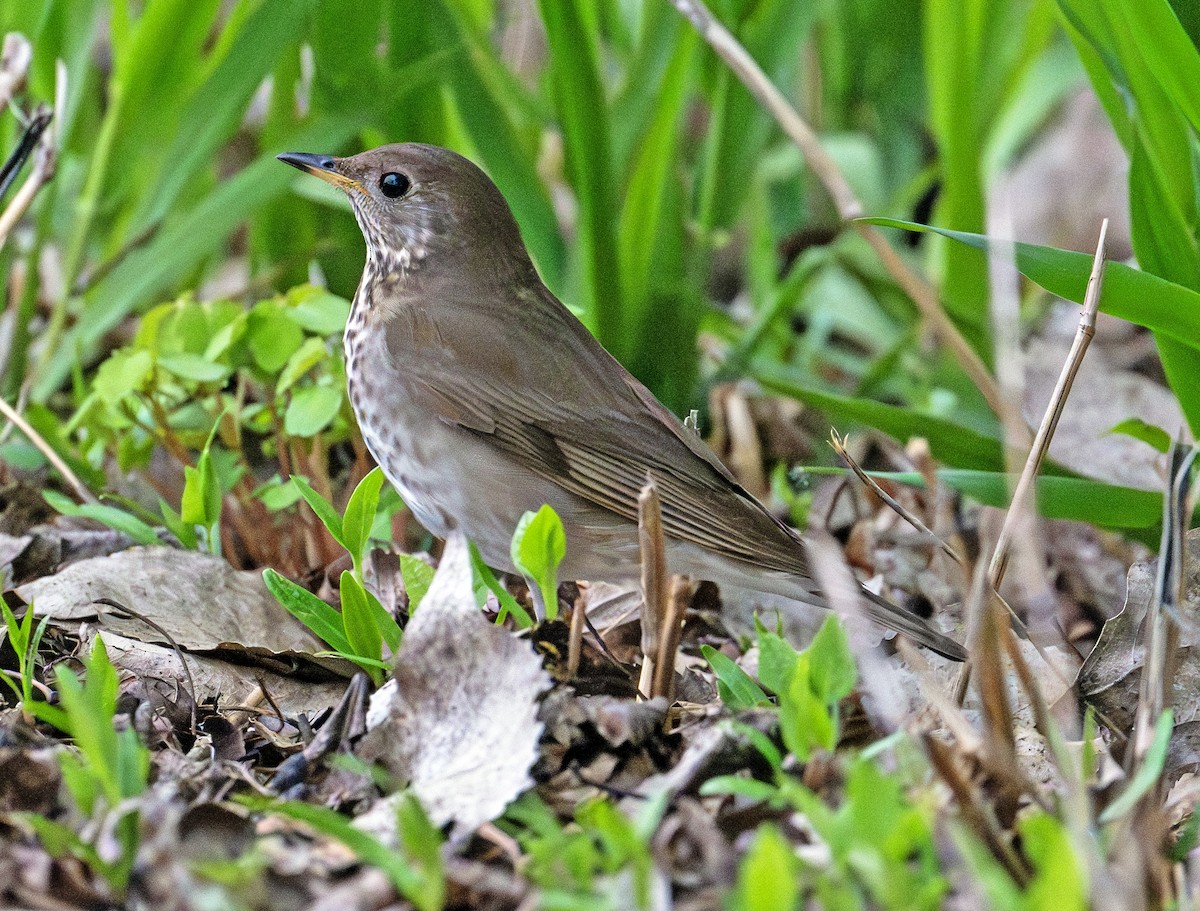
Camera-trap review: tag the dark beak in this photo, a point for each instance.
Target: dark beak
(324, 166)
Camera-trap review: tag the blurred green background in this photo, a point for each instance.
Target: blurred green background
(658, 200)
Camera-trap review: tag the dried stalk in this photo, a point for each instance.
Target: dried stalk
(669, 637)
(654, 580)
(47, 450)
(838, 444)
(1041, 441)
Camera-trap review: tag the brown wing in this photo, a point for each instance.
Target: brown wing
(543, 390)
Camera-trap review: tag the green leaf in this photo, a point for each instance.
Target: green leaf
(805, 720)
(201, 503)
(1061, 881)
(311, 410)
(422, 843)
(750, 788)
(126, 371)
(1147, 433)
(1065, 498)
(1170, 310)
(538, 547)
(776, 660)
(307, 356)
(645, 212)
(1128, 293)
(323, 508)
(217, 106)
(272, 337)
(119, 767)
(736, 688)
(319, 617)
(277, 494)
(417, 576)
(362, 632)
(360, 515)
(195, 232)
(194, 367)
(386, 622)
(488, 97)
(832, 673)
(582, 113)
(185, 532)
(485, 581)
(59, 839)
(767, 878)
(203, 494)
(225, 337)
(761, 742)
(114, 518)
(408, 882)
(951, 442)
(317, 311)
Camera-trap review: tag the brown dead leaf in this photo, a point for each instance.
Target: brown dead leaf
(460, 724)
(1110, 678)
(213, 679)
(198, 599)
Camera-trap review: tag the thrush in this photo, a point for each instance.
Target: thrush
(482, 396)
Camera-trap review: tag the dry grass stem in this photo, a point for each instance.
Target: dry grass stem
(1041, 440)
(976, 813)
(848, 205)
(15, 57)
(45, 161)
(654, 579)
(669, 638)
(575, 638)
(1161, 623)
(838, 444)
(47, 450)
(951, 714)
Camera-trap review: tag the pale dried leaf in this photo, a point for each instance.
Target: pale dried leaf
(461, 725)
(229, 684)
(198, 599)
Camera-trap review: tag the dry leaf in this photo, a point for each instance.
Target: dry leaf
(1110, 678)
(198, 599)
(461, 724)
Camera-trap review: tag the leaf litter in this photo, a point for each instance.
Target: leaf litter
(476, 719)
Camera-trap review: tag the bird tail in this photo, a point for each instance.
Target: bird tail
(885, 613)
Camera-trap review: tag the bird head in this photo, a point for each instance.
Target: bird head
(416, 202)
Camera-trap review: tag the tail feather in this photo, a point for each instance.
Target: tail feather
(884, 612)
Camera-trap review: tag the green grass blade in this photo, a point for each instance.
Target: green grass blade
(582, 112)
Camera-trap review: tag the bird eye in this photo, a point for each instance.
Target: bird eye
(394, 185)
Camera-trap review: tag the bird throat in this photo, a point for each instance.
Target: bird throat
(395, 250)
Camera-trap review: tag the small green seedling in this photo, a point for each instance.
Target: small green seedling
(363, 627)
(574, 865)
(24, 640)
(111, 767)
(767, 874)
(808, 684)
(486, 581)
(538, 547)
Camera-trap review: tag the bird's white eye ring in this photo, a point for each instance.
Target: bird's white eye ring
(394, 184)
